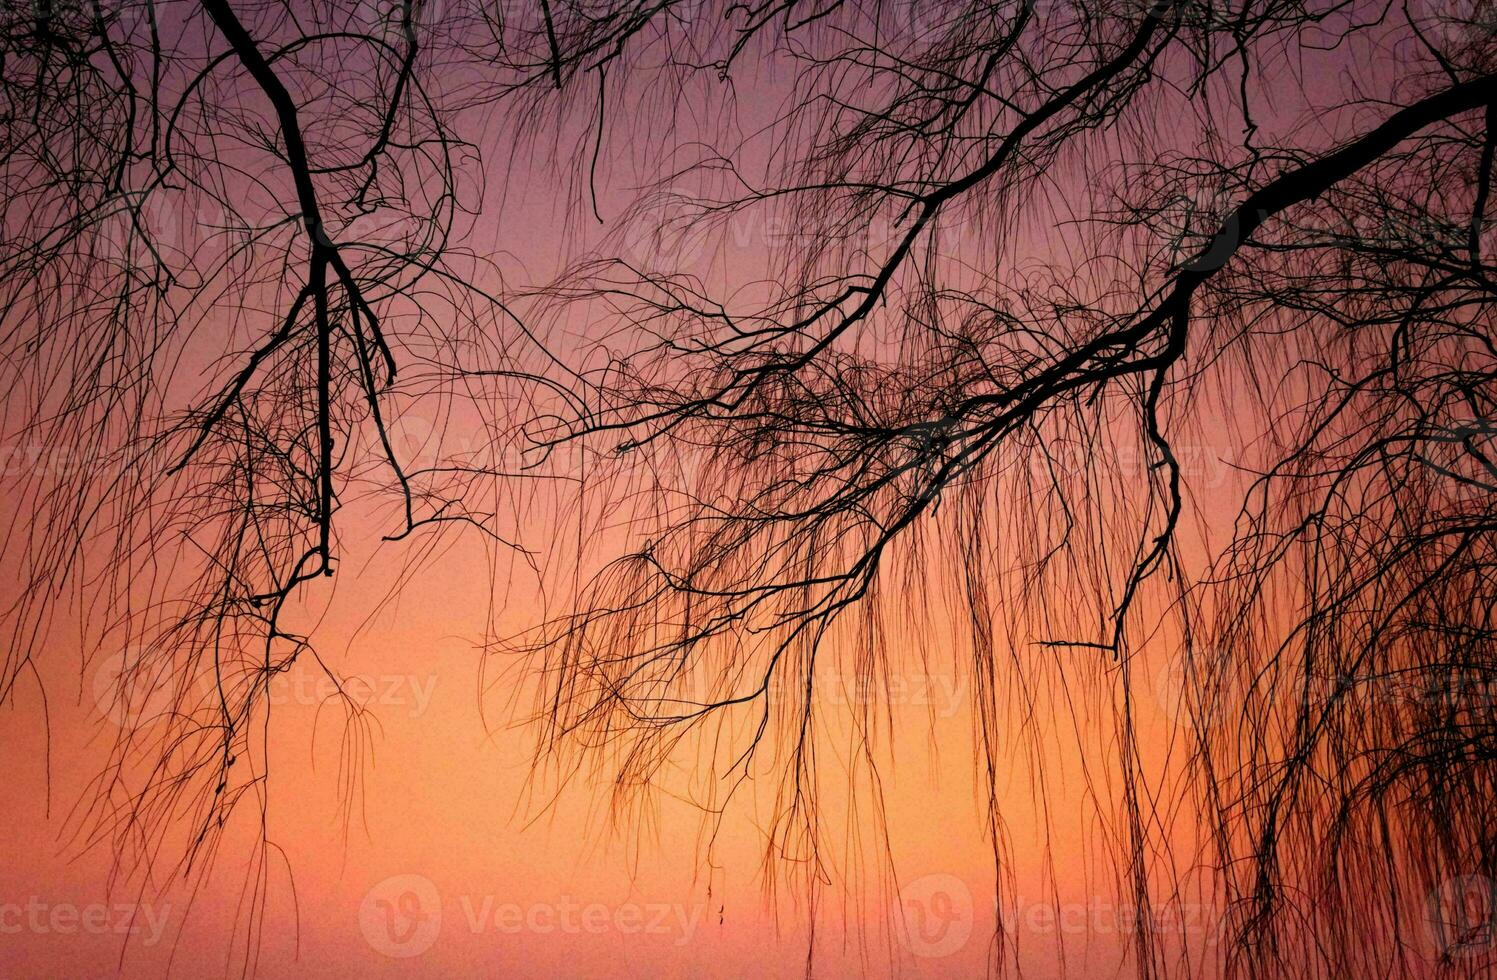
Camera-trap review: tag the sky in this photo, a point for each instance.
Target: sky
(421, 836)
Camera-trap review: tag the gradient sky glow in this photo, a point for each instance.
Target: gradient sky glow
(422, 837)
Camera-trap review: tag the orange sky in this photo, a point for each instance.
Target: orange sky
(452, 859)
(443, 820)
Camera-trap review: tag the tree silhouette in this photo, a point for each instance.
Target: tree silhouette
(1026, 257)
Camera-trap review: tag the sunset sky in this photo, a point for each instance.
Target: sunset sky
(934, 443)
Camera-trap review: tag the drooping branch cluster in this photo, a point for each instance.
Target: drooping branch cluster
(1052, 267)
(232, 231)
